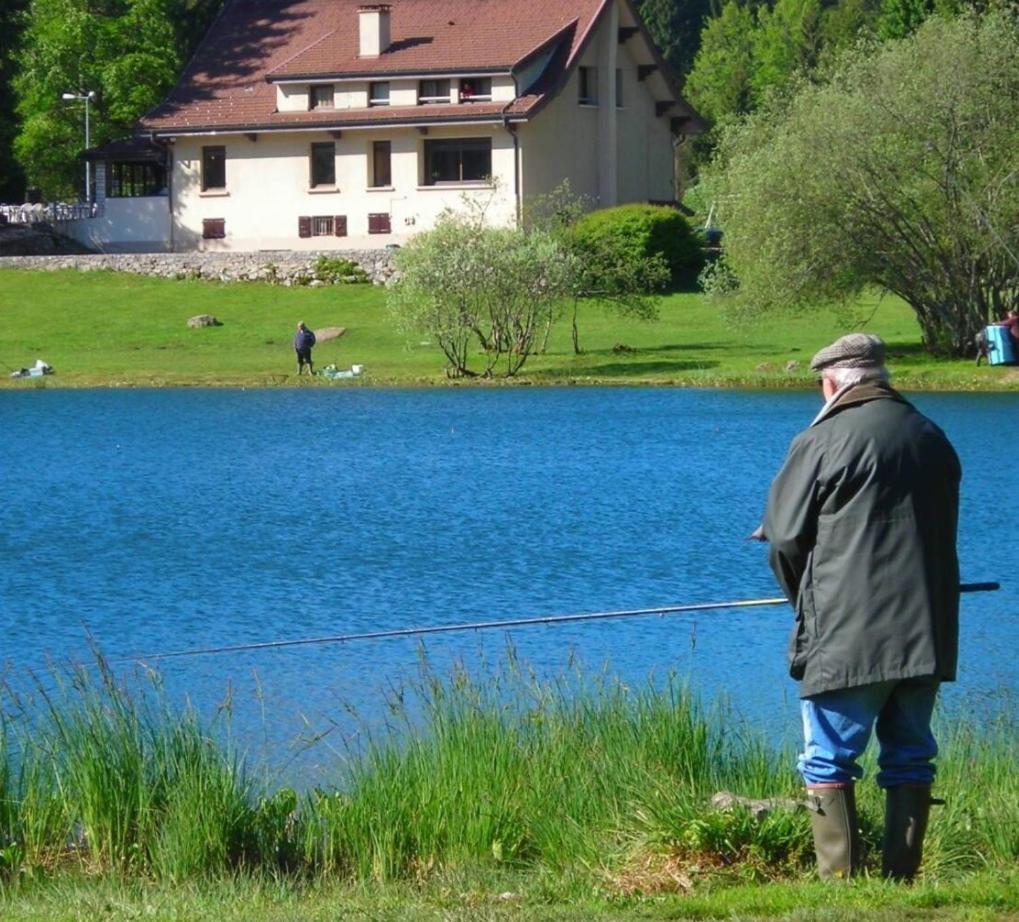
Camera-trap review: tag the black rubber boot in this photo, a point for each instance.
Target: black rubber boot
(836, 833)
(907, 808)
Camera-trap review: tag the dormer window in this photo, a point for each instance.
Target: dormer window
(476, 89)
(378, 93)
(321, 96)
(433, 92)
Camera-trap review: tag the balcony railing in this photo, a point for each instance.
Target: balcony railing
(51, 213)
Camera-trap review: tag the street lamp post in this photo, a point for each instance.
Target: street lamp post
(87, 97)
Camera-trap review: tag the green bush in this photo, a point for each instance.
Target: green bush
(337, 270)
(645, 231)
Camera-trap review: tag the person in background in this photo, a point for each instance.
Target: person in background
(304, 339)
(1011, 321)
(862, 522)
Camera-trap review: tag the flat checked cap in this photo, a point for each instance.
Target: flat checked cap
(856, 350)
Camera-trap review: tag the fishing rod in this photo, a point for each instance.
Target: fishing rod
(484, 625)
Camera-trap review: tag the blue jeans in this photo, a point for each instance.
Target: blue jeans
(837, 725)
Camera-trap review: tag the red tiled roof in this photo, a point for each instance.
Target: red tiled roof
(227, 84)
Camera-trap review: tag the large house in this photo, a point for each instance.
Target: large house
(317, 124)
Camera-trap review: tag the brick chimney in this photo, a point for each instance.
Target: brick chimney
(373, 25)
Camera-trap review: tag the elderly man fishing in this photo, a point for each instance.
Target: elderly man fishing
(861, 521)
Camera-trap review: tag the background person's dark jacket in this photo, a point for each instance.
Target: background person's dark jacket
(303, 340)
(861, 522)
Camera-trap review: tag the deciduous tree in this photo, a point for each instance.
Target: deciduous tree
(887, 174)
(128, 52)
(676, 28)
(482, 292)
(721, 81)
(610, 266)
(12, 179)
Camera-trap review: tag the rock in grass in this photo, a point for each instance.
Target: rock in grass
(726, 802)
(324, 335)
(203, 320)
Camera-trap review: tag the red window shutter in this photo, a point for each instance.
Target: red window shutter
(340, 225)
(304, 227)
(378, 224)
(213, 228)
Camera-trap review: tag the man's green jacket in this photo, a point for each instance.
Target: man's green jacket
(862, 526)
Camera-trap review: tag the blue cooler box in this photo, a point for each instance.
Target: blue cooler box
(1000, 349)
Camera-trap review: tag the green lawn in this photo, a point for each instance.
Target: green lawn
(111, 329)
(484, 896)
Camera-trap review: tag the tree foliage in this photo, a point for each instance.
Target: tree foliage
(484, 293)
(886, 174)
(637, 233)
(129, 52)
(720, 82)
(676, 26)
(12, 179)
(747, 51)
(899, 18)
(615, 263)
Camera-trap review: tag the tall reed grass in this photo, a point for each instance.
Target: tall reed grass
(576, 775)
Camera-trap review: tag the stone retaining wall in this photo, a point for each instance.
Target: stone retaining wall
(283, 267)
(35, 240)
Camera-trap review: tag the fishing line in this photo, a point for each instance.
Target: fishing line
(481, 625)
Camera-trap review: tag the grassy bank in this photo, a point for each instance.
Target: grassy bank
(559, 800)
(106, 329)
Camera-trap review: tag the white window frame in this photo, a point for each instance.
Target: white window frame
(436, 100)
(378, 101)
(321, 104)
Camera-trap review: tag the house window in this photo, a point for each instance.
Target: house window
(378, 93)
(322, 226)
(135, 180)
(323, 164)
(458, 160)
(213, 168)
(213, 228)
(433, 92)
(476, 89)
(588, 89)
(382, 173)
(619, 88)
(321, 96)
(379, 224)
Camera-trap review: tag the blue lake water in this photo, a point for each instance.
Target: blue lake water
(165, 519)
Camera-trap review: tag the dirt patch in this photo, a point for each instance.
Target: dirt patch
(328, 333)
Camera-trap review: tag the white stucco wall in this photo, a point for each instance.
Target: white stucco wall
(561, 143)
(645, 157)
(267, 189)
(566, 139)
(125, 225)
